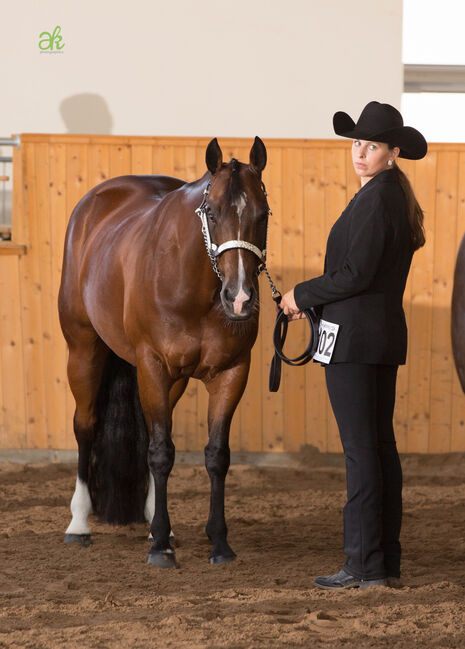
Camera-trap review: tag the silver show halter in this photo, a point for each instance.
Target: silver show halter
(214, 251)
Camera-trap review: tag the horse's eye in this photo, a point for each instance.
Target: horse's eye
(210, 215)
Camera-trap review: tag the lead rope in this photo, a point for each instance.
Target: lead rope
(280, 333)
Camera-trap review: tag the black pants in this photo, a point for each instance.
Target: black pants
(362, 397)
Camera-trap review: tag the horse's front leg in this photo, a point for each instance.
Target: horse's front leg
(154, 388)
(225, 391)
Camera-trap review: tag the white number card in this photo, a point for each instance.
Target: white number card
(327, 338)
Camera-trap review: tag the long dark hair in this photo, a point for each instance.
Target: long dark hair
(414, 211)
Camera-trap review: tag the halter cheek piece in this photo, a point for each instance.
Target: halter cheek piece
(214, 250)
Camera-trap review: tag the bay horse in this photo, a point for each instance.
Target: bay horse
(458, 314)
(150, 297)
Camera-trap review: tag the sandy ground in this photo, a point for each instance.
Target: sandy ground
(286, 527)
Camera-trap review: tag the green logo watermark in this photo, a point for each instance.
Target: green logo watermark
(48, 41)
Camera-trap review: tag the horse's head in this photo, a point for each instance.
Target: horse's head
(236, 213)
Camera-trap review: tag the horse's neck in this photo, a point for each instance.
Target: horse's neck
(175, 237)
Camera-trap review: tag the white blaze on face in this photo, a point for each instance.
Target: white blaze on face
(241, 296)
(239, 204)
(81, 506)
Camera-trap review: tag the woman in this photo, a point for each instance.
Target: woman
(368, 258)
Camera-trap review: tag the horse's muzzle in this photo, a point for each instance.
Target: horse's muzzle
(238, 304)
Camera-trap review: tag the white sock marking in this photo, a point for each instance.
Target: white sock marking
(149, 509)
(81, 506)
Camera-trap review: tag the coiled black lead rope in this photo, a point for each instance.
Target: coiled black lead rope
(279, 338)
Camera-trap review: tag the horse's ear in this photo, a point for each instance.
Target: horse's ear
(258, 156)
(213, 156)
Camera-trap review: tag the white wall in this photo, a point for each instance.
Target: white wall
(209, 67)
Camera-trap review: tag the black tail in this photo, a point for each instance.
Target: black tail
(118, 470)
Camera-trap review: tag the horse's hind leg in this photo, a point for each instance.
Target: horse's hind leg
(86, 361)
(225, 391)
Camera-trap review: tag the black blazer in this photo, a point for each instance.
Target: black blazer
(368, 258)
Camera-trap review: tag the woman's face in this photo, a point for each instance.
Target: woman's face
(369, 158)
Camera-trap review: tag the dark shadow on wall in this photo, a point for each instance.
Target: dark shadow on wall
(86, 113)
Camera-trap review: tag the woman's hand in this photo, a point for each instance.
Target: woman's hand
(289, 306)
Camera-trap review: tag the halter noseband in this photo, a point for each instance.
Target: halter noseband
(213, 250)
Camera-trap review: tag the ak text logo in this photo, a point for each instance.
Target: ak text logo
(51, 43)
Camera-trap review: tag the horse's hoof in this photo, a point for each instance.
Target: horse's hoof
(222, 558)
(165, 559)
(81, 539)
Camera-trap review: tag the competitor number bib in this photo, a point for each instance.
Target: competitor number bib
(327, 338)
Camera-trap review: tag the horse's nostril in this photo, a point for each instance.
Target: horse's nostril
(229, 294)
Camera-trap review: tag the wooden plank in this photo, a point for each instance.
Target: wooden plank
(421, 314)
(18, 217)
(120, 160)
(458, 397)
(293, 255)
(9, 248)
(14, 413)
(272, 402)
(334, 176)
(98, 163)
(31, 303)
(184, 163)
(315, 237)
(12, 383)
(190, 167)
(141, 159)
(441, 360)
(43, 238)
(60, 393)
(163, 160)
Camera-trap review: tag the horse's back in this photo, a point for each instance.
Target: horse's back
(116, 197)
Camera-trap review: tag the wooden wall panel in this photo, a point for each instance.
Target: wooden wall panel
(443, 271)
(13, 424)
(309, 183)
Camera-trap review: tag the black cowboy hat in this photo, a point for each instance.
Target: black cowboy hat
(382, 123)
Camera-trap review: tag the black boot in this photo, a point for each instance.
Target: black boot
(343, 580)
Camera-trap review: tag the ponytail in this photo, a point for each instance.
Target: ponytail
(414, 211)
